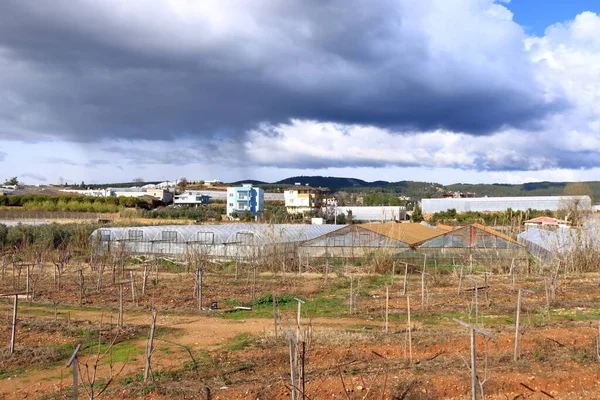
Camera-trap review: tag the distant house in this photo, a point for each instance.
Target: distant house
(546, 221)
(192, 198)
(245, 198)
(302, 199)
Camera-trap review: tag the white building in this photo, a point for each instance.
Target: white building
(192, 198)
(245, 198)
(163, 195)
(374, 213)
(301, 199)
(499, 204)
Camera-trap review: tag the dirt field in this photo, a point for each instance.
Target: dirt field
(348, 355)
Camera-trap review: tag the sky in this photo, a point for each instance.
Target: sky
(448, 91)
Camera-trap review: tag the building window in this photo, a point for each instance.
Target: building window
(230, 194)
(169, 236)
(230, 204)
(135, 235)
(206, 237)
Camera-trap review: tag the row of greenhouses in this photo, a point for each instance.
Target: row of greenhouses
(406, 242)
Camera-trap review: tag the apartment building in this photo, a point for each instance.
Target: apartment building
(301, 199)
(245, 198)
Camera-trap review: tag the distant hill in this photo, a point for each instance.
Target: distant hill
(419, 190)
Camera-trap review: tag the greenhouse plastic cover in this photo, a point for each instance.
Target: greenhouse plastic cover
(225, 233)
(561, 240)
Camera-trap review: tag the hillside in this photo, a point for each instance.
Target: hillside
(421, 190)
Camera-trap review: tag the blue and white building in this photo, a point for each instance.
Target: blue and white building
(245, 198)
(192, 198)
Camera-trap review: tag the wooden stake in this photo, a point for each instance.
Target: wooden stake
(293, 343)
(409, 329)
(473, 366)
(275, 315)
(351, 292)
(120, 316)
(387, 307)
(149, 346)
(74, 362)
(460, 278)
(473, 330)
(518, 320)
(393, 273)
(27, 282)
(80, 287)
(300, 302)
(423, 290)
(404, 285)
(144, 280)
(199, 287)
(476, 304)
(133, 297)
(13, 331)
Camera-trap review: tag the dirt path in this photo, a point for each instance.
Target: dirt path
(198, 332)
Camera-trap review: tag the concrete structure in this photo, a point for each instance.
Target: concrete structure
(374, 213)
(302, 199)
(245, 198)
(497, 204)
(192, 198)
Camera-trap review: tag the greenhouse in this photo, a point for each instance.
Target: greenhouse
(562, 243)
(222, 241)
(411, 243)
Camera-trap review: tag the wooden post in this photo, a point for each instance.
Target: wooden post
(149, 346)
(13, 331)
(80, 287)
(423, 290)
(144, 279)
(409, 329)
(351, 292)
(393, 273)
(74, 362)
(293, 343)
(275, 315)
(512, 270)
(133, 298)
(473, 366)
(27, 281)
(253, 282)
(236, 270)
(485, 287)
(471, 263)
(300, 302)
(460, 278)
(404, 285)
(303, 360)
(476, 304)
(473, 331)
(120, 316)
(199, 283)
(387, 307)
(518, 319)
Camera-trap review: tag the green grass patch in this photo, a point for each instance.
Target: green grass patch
(240, 342)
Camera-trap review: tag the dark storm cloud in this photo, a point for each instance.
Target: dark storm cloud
(90, 69)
